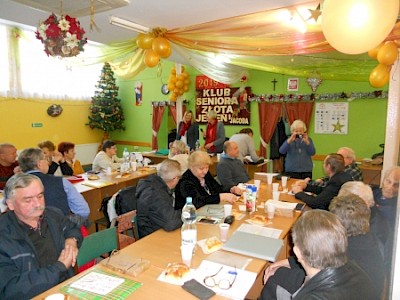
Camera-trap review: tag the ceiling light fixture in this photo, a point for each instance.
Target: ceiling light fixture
(128, 24)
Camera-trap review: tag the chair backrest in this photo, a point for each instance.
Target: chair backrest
(125, 200)
(126, 222)
(96, 244)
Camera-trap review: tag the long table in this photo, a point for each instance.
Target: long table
(107, 185)
(162, 247)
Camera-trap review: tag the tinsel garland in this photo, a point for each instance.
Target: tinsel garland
(318, 97)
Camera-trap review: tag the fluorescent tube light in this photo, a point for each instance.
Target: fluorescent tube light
(128, 25)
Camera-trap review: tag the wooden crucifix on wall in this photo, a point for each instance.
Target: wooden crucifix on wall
(274, 82)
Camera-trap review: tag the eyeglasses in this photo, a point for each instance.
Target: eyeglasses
(223, 284)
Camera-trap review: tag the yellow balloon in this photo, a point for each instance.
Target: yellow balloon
(186, 88)
(373, 53)
(161, 46)
(354, 27)
(144, 40)
(151, 58)
(387, 54)
(172, 97)
(179, 84)
(171, 86)
(379, 76)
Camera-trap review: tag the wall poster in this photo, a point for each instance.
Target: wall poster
(231, 104)
(331, 118)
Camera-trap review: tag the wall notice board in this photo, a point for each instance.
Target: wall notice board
(331, 118)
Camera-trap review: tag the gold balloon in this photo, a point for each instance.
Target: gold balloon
(379, 76)
(161, 46)
(172, 97)
(387, 54)
(355, 27)
(186, 88)
(179, 84)
(144, 40)
(151, 58)
(373, 53)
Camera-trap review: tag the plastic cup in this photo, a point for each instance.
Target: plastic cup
(269, 178)
(270, 210)
(275, 195)
(257, 183)
(134, 166)
(218, 156)
(187, 253)
(227, 209)
(275, 187)
(57, 296)
(284, 181)
(223, 231)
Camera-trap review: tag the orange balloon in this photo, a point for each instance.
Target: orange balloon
(387, 54)
(373, 53)
(151, 58)
(161, 46)
(172, 79)
(186, 88)
(379, 76)
(171, 86)
(179, 84)
(172, 97)
(144, 40)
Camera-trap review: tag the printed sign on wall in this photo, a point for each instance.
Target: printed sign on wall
(231, 104)
(331, 118)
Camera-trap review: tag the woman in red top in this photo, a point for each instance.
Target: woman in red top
(215, 134)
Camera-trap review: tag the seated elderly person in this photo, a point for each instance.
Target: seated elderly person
(198, 183)
(177, 152)
(107, 158)
(155, 200)
(67, 149)
(8, 163)
(59, 192)
(38, 245)
(244, 140)
(334, 169)
(57, 164)
(320, 245)
(350, 166)
(363, 246)
(230, 169)
(386, 205)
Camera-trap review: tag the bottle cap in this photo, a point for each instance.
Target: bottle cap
(189, 200)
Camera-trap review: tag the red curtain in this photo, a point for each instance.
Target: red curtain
(269, 114)
(299, 111)
(172, 109)
(158, 111)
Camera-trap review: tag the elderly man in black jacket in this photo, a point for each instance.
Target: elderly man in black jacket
(334, 169)
(38, 245)
(156, 199)
(320, 244)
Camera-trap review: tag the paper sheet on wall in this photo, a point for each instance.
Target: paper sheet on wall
(331, 118)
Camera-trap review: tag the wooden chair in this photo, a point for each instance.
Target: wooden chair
(127, 228)
(97, 244)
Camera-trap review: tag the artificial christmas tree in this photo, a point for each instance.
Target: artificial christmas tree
(106, 112)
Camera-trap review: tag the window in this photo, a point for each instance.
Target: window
(38, 76)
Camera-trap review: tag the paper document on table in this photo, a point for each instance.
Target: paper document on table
(211, 210)
(241, 280)
(97, 184)
(97, 283)
(260, 230)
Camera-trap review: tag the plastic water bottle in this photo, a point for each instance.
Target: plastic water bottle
(189, 230)
(125, 161)
(250, 199)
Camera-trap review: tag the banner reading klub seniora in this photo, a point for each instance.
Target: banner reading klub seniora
(231, 104)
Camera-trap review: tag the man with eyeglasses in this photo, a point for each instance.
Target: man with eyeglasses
(107, 158)
(38, 245)
(156, 199)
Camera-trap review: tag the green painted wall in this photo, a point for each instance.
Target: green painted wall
(367, 117)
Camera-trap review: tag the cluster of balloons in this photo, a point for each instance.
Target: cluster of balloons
(155, 48)
(386, 55)
(178, 84)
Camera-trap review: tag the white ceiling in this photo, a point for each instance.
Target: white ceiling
(150, 13)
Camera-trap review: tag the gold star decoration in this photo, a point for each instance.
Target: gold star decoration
(315, 13)
(337, 126)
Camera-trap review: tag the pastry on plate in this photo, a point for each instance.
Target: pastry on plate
(259, 220)
(176, 272)
(213, 244)
(93, 177)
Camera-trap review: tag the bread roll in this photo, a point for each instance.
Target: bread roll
(93, 177)
(176, 271)
(213, 244)
(259, 219)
